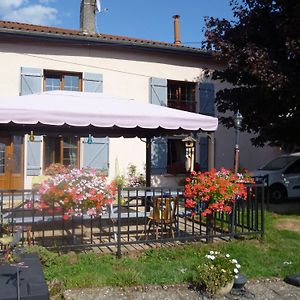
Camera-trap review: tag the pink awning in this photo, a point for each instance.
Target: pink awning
(79, 109)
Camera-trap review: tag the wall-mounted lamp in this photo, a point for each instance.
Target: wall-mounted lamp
(189, 143)
(31, 136)
(90, 139)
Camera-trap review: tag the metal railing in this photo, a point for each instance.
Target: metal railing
(139, 216)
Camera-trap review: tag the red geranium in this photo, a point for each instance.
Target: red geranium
(215, 190)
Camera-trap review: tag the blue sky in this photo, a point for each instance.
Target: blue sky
(149, 19)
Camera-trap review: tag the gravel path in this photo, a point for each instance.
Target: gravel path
(275, 289)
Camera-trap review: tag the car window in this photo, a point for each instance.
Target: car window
(279, 163)
(294, 168)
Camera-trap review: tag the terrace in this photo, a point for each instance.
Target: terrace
(140, 218)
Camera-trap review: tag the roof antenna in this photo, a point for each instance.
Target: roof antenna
(98, 8)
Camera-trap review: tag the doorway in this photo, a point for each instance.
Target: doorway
(11, 162)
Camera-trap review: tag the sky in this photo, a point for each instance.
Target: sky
(147, 19)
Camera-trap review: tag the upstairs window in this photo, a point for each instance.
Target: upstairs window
(181, 95)
(66, 81)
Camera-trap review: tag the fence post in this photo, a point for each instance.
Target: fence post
(262, 213)
(210, 228)
(119, 253)
(232, 231)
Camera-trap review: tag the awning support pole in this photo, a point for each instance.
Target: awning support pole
(211, 150)
(148, 162)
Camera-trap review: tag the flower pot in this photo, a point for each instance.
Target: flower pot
(225, 289)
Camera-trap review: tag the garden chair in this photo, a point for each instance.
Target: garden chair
(163, 215)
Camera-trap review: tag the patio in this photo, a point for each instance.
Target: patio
(130, 223)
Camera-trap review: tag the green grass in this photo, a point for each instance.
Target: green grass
(276, 256)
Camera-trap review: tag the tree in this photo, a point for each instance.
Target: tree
(261, 51)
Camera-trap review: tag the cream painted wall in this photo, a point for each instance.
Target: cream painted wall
(125, 74)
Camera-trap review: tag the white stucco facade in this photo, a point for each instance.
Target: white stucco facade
(126, 73)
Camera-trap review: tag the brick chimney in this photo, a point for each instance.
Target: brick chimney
(176, 30)
(88, 16)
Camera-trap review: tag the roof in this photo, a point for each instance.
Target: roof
(101, 111)
(38, 31)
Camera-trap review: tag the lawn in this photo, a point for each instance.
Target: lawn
(275, 256)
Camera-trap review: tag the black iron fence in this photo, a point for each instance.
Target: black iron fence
(139, 216)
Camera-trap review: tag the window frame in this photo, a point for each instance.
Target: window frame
(61, 75)
(61, 150)
(180, 102)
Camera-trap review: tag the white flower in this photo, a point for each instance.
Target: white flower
(211, 252)
(234, 261)
(235, 270)
(210, 257)
(227, 255)
(238, 266)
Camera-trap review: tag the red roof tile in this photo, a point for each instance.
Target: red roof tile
(30, 28)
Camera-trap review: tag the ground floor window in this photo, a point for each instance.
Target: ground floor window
(61, 150)
(176, 156)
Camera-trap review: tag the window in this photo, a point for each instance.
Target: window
(176, 156)
(62, 81)
(181, 95)
(61, 150)
(294, 168)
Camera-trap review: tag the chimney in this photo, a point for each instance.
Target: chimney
(88, 16)
(176, 30)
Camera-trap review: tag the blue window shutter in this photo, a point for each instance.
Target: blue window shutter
(159, 145)
(158, 91)
(159, 155)
(31, 81)
(34, 149)
(207, 99)
(203, 161)
(93, 83)
(95, 155)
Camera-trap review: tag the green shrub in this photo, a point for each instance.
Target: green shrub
(46, 257)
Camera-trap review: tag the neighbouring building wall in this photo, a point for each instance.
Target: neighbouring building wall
(127, 74)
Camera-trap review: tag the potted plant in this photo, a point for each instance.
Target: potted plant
(217, 273)
(214, 190)
(78, 192)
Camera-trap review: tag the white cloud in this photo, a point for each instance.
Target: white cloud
(47, 1)
(8, 5)
(34, 14)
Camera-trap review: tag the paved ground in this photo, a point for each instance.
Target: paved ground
(291, 206)
(262, 290)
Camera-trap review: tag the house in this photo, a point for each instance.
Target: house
(39, 58)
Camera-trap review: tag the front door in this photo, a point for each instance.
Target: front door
(11, 162)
